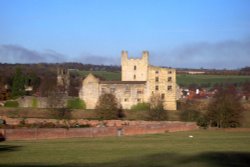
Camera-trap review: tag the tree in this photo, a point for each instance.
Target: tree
(225, 109)
(18, 84)
(48, 84)
(246, 90)
(189, 111)
(108, 107)
(156, 111)
(56, 103)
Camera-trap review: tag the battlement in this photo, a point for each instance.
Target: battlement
(144, 57)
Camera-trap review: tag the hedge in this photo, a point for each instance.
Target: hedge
(11, 104)
(76, 104)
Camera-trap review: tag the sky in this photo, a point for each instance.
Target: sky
(177, 33)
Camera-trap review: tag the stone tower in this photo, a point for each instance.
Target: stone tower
(134, 69)
(63, 80)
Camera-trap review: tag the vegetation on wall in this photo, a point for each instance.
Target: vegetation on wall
(34, 103)
(140, 107)
(11, 103)
(76, 104)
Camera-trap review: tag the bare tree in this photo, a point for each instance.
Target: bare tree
(225, 109)
(156, 111)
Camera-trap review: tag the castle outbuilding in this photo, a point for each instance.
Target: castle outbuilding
(139, 82)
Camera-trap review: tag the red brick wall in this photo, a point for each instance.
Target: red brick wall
(55, 133)
(159, 128)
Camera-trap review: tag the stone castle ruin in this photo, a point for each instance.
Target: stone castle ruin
(139, 81)
(63, 80)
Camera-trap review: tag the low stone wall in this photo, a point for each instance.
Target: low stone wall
(57, 133)
(40, 102)
(27, 101)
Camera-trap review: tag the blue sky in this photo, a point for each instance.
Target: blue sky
(177, 33)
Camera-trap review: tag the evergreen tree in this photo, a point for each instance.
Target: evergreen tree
(18, 82)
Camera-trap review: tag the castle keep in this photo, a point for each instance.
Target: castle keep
(139, 81)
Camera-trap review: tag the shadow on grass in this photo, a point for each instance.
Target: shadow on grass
(8, 148)
(213, 159)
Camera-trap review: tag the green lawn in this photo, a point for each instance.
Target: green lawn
(185, 79)
(206, 148)
(182, 79)
(116, 76)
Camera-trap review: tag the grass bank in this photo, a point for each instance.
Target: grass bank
(182, 79)
(206, 148)
(210, 80)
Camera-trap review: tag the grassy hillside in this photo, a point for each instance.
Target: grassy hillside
(185, 79)
(103, 74)
(182, 79)
(206, 148)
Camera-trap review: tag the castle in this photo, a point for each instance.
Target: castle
(139, 81)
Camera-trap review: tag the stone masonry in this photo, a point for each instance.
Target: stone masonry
(139, 82)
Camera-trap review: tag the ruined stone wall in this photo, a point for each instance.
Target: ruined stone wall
(126, 94)
(90, 91)
(63, 77)
(39, 102)
(33, 102)
(134, 69)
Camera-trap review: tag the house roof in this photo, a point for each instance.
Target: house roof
(122, 82)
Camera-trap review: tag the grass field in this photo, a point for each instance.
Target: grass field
(116, 76)
(182, 79)
(206, 148)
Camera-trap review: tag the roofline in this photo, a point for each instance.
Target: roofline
(122, 82)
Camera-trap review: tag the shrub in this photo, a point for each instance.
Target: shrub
(157, 112)
(202, 121)
(141, 107)
(76, 104)
(22, 123)
(61, 113)
(13, 113)
(107, 107)
(189, 115)
(11, 103)
(34, 103)
(47, 125)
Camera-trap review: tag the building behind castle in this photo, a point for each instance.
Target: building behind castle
(139, 82)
